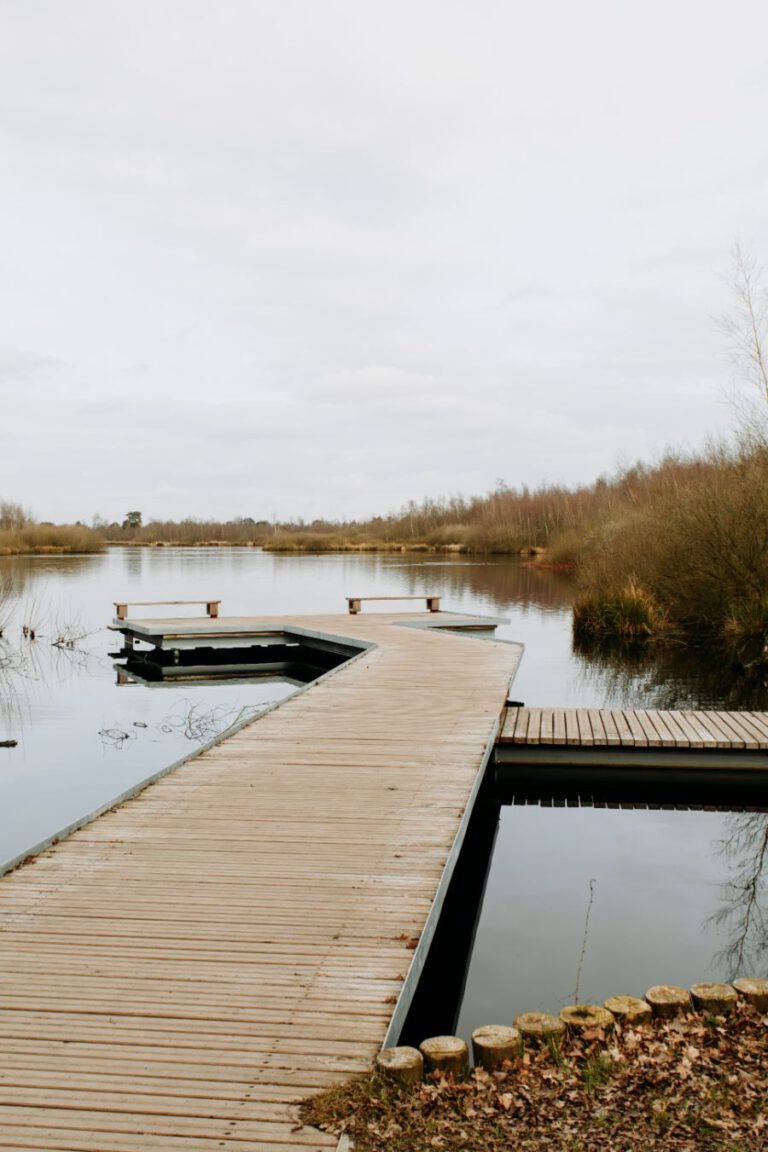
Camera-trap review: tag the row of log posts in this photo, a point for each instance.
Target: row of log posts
(495, 1044)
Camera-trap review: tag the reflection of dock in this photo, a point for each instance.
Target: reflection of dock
(634, 755)
(178, 973)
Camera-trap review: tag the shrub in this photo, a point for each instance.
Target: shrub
(627, 614)
(53, 538)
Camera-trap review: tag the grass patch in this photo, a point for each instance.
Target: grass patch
(747, 620)
(596, 1070)
(627, 614)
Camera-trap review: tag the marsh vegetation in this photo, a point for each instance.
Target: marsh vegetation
(21, 534)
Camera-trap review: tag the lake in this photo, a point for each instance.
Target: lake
(594, 901)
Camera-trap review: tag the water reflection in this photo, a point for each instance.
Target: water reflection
(495, 584)
(674, 676)
(742, 919)
(196, 721)
(661, 877)
(676, 897)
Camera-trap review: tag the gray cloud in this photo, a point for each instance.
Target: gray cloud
(324, 258)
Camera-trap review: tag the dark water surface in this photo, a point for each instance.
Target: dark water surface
(655, 879)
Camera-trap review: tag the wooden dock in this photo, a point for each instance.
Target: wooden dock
(635, 728)
(634, 755)
(176, 975)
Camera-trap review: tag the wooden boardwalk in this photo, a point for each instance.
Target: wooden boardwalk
(636, 728)
(633, 756)
(177, 974)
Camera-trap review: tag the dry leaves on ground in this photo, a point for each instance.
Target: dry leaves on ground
(688, 1085)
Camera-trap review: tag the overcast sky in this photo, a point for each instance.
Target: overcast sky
(318, 257)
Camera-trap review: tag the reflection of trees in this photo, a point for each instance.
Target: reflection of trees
(502, 582)
(29, 665)
(30, 570)
(16, 670)
(742, 919)
(670, 676)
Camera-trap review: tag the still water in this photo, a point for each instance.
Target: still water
(592, 901)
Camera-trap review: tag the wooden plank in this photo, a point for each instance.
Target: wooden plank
(711, 734)
(547, 732)
(623, 729)
(669, 736)
(755, 723)
(650, 732)
(599, 735)
(612, 736)
(682, 738)
(572, 734)
(687, 726)
(534, 726)
(759, 720)
(729, 737)
(511, 726)
(639, 738)
(586, 738)
(743, 729)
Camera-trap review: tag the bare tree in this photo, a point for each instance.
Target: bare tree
(746, 328)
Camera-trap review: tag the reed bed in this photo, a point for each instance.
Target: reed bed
(49, 538)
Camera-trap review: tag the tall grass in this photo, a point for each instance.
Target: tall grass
(49, 538)
(628, 613)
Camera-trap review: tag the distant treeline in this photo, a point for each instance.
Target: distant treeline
(20, 533)
(667, 549)
(659, 550)
(505, 521)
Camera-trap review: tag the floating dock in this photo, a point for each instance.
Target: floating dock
(634, 756)
(176, 975)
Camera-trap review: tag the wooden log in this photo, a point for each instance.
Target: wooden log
(716, 999)
(540, 1027)
(668, 1000)
(493, 1044)
(629, 1009)
(403, 1066)
(584, 1017)
(754, 990)
(446, 1054)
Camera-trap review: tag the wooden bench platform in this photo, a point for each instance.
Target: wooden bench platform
(354, 602)
(121, 608)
